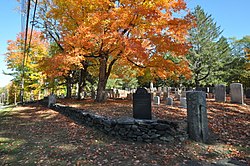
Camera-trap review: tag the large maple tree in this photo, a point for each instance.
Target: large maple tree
(139, 32)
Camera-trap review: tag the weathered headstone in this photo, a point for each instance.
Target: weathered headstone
(183, 102)
(248, 93)
(197, 116)
(220, 93)
(165, 95)
(169, 101)
(157, 100)
(52, 100)
(236, 93)
(142, 104)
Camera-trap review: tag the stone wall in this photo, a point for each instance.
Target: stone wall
(128, 128)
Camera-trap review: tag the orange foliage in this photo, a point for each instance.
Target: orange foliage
(140, 31)
(37, 50)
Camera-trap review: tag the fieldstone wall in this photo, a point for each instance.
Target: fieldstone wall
(128, 128)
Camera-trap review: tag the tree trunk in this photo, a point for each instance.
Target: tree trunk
(80, 87)
(197, 83)
(103, 77)
(69, 89)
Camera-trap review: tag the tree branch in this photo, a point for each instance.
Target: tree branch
(205, 76)
(140, 66)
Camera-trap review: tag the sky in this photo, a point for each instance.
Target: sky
(231, 15)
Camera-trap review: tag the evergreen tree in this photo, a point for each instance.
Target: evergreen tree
(209, 51)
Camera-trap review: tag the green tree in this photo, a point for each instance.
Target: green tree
(209, 51)
(240, 69)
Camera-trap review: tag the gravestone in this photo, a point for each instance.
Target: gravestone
(151, 86)
(158, 94)
(220, 93)
(169, 101)
(197, 116)
(52, 100)
(236, 93)
(177, 93)
(183, 102)
(157, 100)
(165, 95)
(142, 104)
(248, 93)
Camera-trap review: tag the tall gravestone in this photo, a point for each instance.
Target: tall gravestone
(142, 104)
(197, 116)
(236, 93)
(220, 93)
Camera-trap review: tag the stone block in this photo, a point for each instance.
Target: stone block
(197, 116)
(236, 93)
(142, 104)
(220, 93)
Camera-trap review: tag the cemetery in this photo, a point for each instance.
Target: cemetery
(167, 127)
(112, 82)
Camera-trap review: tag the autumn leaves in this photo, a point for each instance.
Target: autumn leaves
(104, 33)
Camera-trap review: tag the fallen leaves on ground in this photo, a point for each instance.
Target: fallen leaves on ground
(41, 136)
